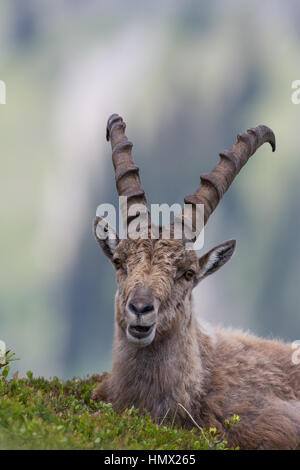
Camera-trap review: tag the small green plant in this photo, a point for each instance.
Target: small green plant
(7, 357)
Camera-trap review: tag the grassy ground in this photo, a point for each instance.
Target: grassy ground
(53, 414)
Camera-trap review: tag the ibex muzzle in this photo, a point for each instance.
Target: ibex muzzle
(141, 311)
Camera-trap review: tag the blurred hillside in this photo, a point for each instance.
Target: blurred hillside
(186, 77)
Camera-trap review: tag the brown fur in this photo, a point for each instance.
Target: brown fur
(212, 374)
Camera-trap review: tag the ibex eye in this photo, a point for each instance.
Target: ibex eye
(189, 275)
(117, 262)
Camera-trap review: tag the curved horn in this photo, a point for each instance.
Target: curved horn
(126, 172)
(214, 184)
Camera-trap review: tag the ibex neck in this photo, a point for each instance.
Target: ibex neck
(163, 374)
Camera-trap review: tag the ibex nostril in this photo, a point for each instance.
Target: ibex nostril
(140, 308)
(133, 308)
(147, 308)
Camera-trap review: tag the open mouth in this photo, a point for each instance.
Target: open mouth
(139, 331)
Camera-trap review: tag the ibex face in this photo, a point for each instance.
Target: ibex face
(151, 287)
(156, 276)
(155, 282)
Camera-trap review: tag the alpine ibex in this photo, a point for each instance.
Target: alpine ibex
(163, 356)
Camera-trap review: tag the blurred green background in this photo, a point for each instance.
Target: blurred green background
(186, 77)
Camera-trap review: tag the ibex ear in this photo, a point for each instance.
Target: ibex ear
(216, 258)
(105, 236)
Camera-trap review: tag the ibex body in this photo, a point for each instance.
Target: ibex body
(165, 360)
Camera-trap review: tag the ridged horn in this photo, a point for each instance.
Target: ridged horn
(126, 172)
(214, 184)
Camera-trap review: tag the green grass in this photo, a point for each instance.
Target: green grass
(36, 413)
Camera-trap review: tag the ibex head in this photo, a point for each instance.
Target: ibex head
(156, 276)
